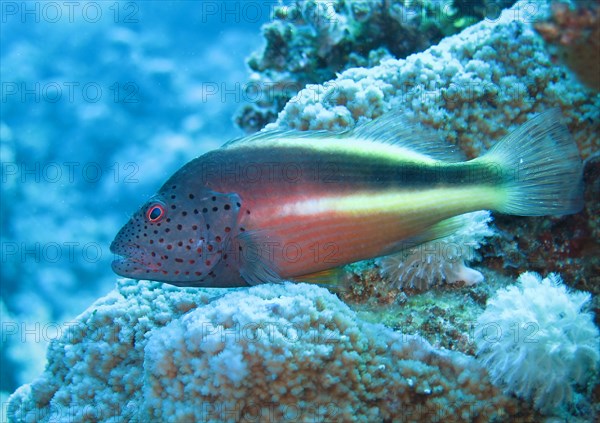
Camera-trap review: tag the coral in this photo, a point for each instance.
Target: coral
(538, 341)
(440, 260)
(309, 41)
(155, 353)
(474, 87)
(573, 30)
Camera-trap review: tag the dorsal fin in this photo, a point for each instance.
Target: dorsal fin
(397, 129)
(280, 134)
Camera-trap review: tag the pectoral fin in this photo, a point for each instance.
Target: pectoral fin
(256, 259)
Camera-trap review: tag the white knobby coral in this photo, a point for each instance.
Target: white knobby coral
(537, 340)
(288, 352)
(441, 260)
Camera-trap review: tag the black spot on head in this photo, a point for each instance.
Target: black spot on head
(214, 198)
(194, 227)
(238, 204)
(196, 211)
(173, 197)
(178, 260)
(215, 209)
(173, 206)
(174, 187)
(226, 206)
(167, 230)
(180, 243)
(227, 229)
(207, 226)
(184, 213)
(191, 196)
(204, 210)
(155, 232)
(179, 227)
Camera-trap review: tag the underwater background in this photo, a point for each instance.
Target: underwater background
(102, 101)
(100, 104)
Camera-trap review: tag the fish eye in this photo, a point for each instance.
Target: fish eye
(155, 212)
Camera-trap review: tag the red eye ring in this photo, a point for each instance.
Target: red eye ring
(155, 213)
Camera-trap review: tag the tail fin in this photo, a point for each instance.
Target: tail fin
(541, 168)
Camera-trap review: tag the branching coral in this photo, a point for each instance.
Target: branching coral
(538, 341)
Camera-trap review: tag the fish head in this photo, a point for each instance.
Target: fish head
(177, 236)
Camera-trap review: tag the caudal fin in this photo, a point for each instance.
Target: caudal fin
(541, 168)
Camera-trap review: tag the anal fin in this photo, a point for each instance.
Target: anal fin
(328, 278)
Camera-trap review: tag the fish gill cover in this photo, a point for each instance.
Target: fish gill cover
(473, 87)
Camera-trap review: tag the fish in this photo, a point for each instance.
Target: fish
(299, 205)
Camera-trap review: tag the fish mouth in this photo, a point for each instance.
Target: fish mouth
(128, 261)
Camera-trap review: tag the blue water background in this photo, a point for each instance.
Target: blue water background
(100, 103)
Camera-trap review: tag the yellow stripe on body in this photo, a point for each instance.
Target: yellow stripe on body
(356, 146)
(442, 202)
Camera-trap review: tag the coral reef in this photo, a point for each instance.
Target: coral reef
(474, 87)
(152, 352)
(537, 339)
(309, 41)
(441, 260)
(155, 353)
